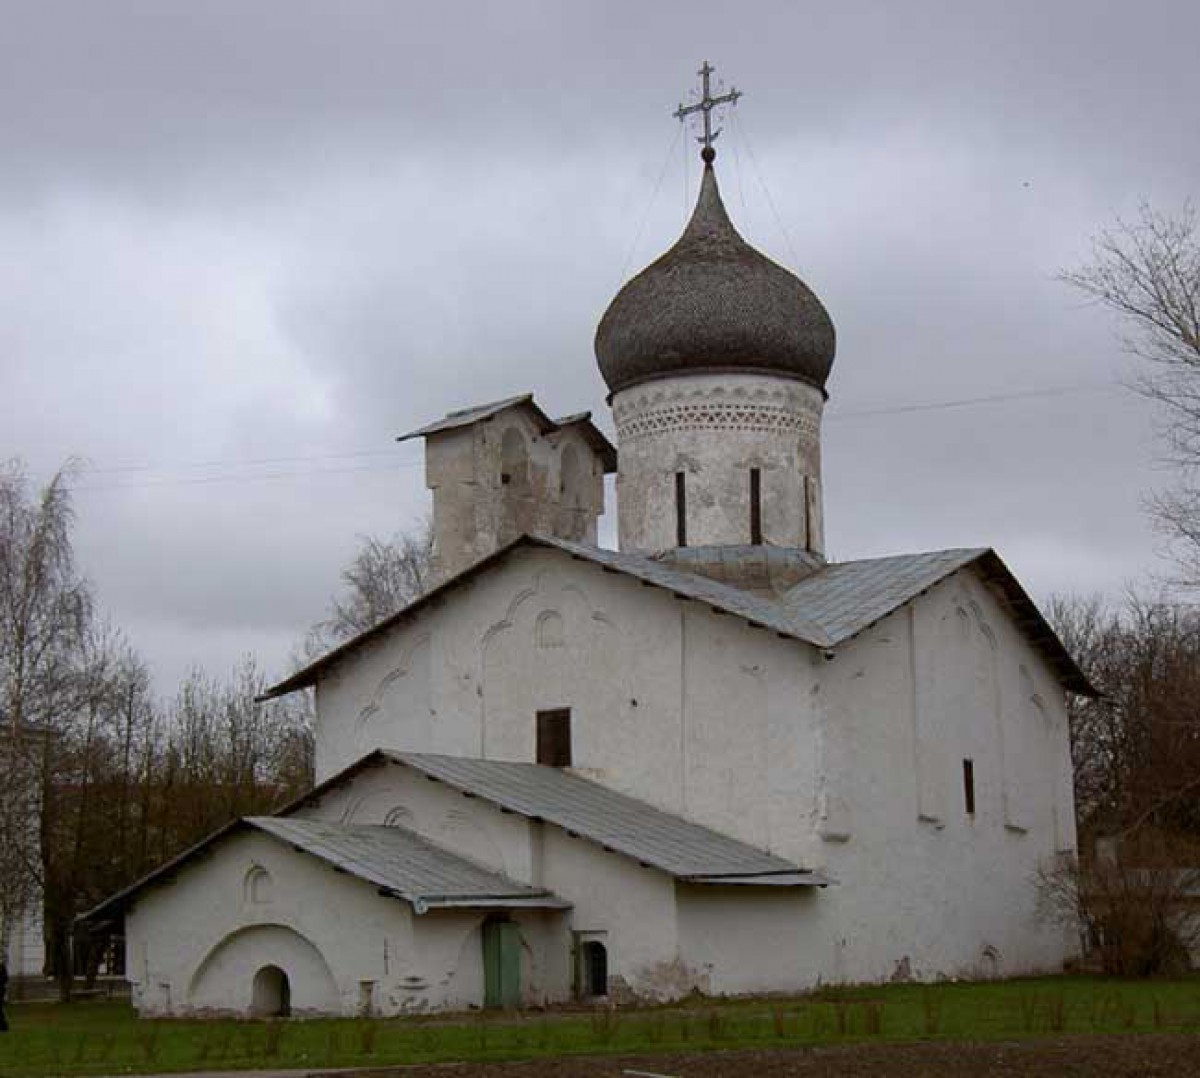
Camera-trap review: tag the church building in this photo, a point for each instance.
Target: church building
(708, 761)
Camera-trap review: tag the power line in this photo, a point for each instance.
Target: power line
(967, 402)
(166, 479)
(238, 462)
(208, 480)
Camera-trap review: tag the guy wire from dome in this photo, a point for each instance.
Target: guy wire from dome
(712, 303)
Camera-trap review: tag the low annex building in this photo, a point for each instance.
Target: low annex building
(710, 761)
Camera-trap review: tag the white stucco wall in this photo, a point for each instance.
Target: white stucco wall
(497, 478)
(851, 764)
(194, 945)
(923, 885)
(744, 940)
(670, 702)
(630, 907)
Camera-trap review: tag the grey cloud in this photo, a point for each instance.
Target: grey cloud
(287, 231)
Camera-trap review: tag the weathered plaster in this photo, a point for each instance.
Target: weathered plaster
(715, 428)
(503, 476)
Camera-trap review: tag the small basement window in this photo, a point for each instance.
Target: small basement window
(554, 737)
(969, 786)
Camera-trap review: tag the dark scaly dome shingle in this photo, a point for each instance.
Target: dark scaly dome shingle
(714, 303)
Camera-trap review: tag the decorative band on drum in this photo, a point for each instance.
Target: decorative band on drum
(711, 415)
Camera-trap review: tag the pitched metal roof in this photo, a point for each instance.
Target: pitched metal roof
(826, 609)
(464, 417)
(844, 598)
(398, 862)
(614, 821)
(404, 864)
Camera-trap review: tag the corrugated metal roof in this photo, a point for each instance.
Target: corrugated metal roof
(403, 863)
(464, 417)
(827, 608)
(393, 859)
(612, 820)
(779, 879)
(844, 598)
(759, 610)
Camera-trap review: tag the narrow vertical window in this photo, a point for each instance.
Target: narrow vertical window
(756, 507)
(969, 786)
(680, 510)
(554, 737)
(806, 493)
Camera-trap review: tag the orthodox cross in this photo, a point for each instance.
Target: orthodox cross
(705, 106)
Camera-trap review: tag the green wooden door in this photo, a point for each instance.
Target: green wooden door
(501, 964)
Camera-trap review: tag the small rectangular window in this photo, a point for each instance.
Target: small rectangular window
(756, 507)
(969, 786)
(554, 737)
(680, 510)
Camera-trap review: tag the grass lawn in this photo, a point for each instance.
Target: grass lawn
(105, 1038)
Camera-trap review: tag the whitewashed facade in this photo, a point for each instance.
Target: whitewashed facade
(885, 742)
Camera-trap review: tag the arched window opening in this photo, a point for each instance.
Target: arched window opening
(594, 969)
(514, 461)
(271, 994)
(570, 478)
(258, 886)
(549, 629)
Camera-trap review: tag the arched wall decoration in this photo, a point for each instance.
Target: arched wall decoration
(402, 669)
(548, 630)
(257, 886)
(399, 816)
(351, 810)
(274, 938)
(545, 583)
(506, 622)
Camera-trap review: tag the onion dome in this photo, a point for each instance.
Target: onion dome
(713, 303)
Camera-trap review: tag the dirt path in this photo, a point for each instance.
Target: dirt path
(1131, 1056)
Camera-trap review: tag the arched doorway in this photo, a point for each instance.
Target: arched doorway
(272, 993)
(224, 981)
(595, 969)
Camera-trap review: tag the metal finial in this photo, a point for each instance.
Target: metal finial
(705, 106)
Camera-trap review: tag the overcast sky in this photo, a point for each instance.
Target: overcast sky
(247, 244)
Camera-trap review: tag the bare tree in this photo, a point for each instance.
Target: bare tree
(1132, 900)
(383, 576)
(98, 783)
(1147, 271)
(1136, 748)
(45, 611)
